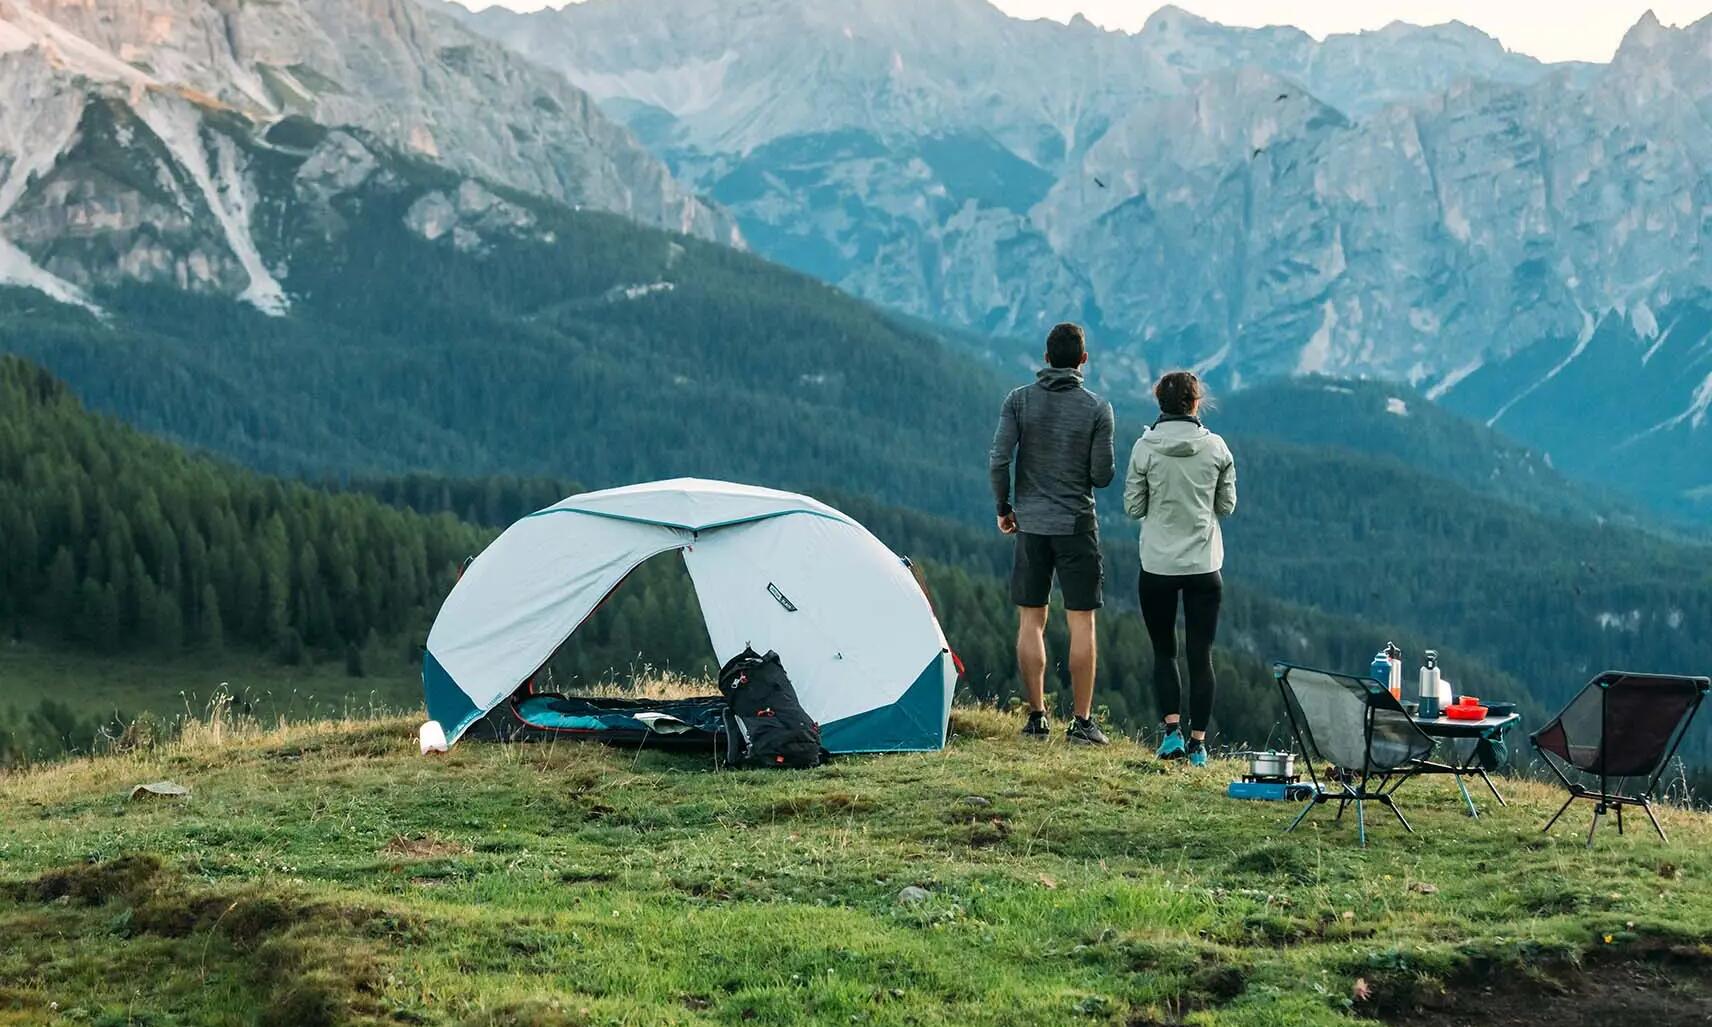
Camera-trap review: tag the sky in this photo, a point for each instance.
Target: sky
(1552, 30)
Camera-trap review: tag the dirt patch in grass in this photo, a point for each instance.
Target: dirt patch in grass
(428, 846)
(1273, 860)
(308, 963)
(90, 884)
(1660, 992)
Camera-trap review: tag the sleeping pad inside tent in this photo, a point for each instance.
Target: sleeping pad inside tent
(771, 570)
(677, 724)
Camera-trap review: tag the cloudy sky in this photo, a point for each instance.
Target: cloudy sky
(1553, 30)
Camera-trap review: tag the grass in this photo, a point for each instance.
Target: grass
(324, 873)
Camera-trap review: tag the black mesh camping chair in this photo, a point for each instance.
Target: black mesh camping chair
(1355, 726)
(1620, 728)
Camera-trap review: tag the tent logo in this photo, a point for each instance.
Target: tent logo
(789, 606)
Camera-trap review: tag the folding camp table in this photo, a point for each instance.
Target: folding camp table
(1446, 730)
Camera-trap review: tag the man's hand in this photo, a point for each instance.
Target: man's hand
(1007, 524)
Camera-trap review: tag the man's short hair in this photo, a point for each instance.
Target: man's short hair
(1066, 346)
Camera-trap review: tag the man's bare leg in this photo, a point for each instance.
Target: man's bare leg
(1082, 661)
(1031, 655)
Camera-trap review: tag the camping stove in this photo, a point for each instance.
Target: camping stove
(1271, 779)
(1273, 768)
(1270, 776)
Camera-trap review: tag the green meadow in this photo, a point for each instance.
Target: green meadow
(324, 873)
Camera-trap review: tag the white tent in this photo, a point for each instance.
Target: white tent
(771, 569)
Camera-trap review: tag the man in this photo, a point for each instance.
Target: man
(1059, 435)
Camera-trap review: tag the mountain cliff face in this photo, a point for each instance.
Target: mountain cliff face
(184, 82)
(1412, 203)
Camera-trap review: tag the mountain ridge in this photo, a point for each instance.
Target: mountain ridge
(1410, 204)
(414, 78)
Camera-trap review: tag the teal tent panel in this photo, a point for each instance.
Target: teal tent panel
(915, 723)
(447, 703)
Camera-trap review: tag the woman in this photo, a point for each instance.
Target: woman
(1181, 482)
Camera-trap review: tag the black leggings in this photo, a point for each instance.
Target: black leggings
(1202, 594)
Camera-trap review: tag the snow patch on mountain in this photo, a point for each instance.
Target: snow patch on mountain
(1658, 343)
(1316, 356)
(1455, 378)
(1588, 325)
(16, 268)
(1643, 321)
(1698, 408)
(179, 126)
(1213, 362)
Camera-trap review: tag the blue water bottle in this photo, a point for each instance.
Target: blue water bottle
(1388, 668)
(1381, 671)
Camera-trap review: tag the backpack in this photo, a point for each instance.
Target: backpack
(765, 724)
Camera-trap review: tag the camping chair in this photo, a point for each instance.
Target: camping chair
(1356, 726)
(1620, 727)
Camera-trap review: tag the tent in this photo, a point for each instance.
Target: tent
(770, 569)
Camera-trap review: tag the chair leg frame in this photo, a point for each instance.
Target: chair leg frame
(1604, 799)
(1603, 802)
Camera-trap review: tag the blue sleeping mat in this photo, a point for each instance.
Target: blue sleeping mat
(689, 724)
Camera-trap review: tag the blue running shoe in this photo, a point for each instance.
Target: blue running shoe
(1197, 753)
(1172, 747)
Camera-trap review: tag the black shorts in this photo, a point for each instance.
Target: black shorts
(1074, 558)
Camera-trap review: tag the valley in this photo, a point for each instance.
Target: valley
(308, 304)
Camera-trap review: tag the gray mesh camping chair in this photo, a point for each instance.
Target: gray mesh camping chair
(1356, 727)
(1620, 728)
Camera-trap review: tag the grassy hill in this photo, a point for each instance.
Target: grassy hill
(323, 873)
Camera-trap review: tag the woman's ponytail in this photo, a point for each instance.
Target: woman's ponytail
(1180, 394)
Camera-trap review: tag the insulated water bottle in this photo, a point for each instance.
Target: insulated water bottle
(1387, 669)
(1430, 685)
(1381, 670)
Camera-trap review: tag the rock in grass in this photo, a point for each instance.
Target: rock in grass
(912, 895)
(160, 790)
(978, 801)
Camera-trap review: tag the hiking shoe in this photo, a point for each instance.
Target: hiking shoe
(1038, 728)
(1172, 747)
(1084, 731)
(1197, 753)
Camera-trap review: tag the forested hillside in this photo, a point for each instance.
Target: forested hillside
(516, 336)
(115, 543)
(1332, 553)
(127, 545)
(1394, 421)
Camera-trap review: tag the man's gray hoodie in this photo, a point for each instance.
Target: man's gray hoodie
(1060, 436)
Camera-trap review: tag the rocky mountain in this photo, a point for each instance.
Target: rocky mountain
(1413, 203)
(195, 88)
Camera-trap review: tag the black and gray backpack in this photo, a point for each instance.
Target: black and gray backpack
(765, 724)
